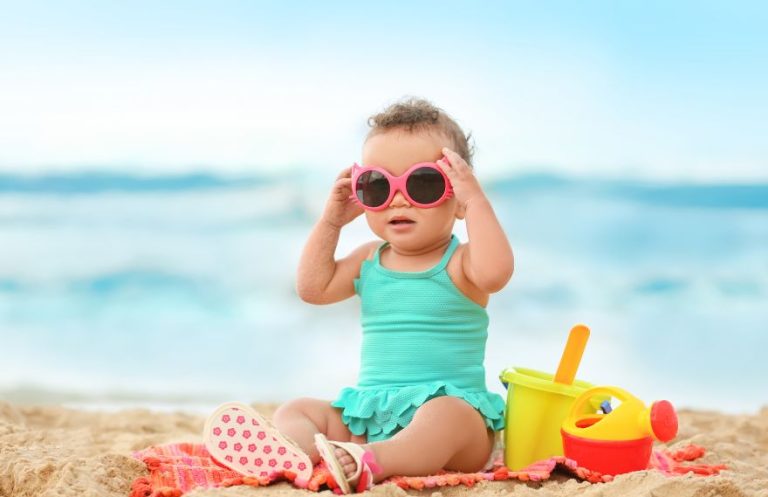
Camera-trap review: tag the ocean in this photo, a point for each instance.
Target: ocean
(177, 292)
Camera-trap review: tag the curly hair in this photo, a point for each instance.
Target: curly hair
(417, 114)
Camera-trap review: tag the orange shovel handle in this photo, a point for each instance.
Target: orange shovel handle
(574, 349)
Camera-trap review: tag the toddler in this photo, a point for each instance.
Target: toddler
(421, 403)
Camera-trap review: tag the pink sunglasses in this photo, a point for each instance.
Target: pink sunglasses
(424, 185)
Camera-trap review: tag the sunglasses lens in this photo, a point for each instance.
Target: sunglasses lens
(372, 188)
(425, 185)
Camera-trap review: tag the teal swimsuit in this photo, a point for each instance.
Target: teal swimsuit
(422, 338)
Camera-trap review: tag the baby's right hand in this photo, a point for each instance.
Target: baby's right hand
(340, 208)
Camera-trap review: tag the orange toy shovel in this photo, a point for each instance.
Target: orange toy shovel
(574, 349)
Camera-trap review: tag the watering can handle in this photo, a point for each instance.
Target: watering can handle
(578, 405)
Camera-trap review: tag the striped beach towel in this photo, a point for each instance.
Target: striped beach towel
(175, 469)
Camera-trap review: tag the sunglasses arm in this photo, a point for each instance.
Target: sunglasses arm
(352, 196)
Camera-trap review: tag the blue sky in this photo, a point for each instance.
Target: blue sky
(672, 91)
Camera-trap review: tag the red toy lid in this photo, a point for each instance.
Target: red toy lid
(663, 420)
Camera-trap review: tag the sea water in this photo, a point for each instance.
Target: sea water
(179, 291)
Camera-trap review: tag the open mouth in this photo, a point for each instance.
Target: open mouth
(401, 220)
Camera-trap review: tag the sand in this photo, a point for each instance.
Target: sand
(49, 450)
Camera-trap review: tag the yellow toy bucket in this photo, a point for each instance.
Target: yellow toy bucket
(536, 408)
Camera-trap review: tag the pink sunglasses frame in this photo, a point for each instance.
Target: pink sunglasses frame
(398, 183)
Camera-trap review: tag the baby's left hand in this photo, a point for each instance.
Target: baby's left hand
(465, 185)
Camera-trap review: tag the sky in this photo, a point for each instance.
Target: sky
(670, 91)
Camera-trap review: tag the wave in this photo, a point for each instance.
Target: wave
(213, 294)
(117, 281)
(713, 195)
(725, 195)
(112, 283)
(84, 182)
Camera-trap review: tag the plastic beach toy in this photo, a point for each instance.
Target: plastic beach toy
(620, 440)
(537, 404)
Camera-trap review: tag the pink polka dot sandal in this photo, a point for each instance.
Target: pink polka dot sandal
(241, 439)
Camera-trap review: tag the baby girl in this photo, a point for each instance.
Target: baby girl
(420, 404)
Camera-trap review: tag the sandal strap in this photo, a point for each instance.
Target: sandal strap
(356, 452)
(370, 468)
(366, 464)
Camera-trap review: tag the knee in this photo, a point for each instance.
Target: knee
(456, 412)
(301, 411)
(301, 406)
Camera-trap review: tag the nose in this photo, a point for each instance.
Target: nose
(399, 200)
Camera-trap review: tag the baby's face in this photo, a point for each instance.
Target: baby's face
(396, 151)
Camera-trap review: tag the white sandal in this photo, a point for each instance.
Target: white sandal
(241, 439)
(362, 480)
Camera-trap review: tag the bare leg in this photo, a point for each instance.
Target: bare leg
(300, 419)
(445, 433)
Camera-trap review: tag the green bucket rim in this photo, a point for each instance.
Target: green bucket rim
(538, 380)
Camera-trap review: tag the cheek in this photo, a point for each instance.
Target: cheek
(448, 209)
(375, 219)
(441, 218)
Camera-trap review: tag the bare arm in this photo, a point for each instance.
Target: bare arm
(487, 260)
(321, 279)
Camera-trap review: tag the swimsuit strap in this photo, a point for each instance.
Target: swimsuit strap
(440, 265)
(448, 253)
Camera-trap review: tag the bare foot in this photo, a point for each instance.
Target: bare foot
(346, 461)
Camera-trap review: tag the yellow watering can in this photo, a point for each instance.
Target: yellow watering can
(621, 439)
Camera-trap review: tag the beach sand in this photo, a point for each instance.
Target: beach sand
(48, 450)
